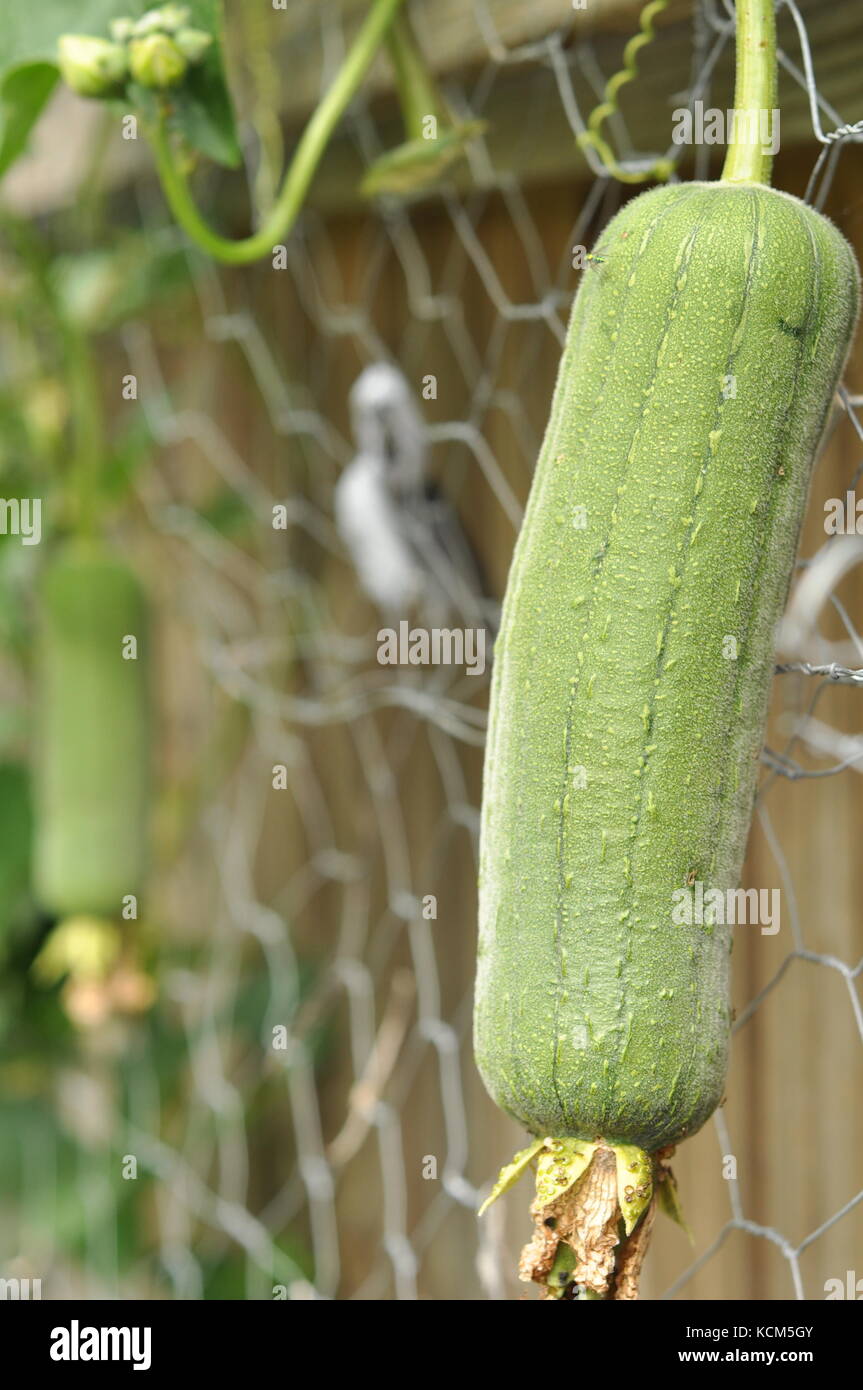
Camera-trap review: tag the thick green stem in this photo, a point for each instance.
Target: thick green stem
(747, 159)
(307, 156)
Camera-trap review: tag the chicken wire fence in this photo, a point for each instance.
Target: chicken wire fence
(301, 1107)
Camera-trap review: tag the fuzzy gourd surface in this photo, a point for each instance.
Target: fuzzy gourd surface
(633, 666)
(91, 735)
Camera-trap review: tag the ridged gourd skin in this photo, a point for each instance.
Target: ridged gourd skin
(703, 352)
(91, 735)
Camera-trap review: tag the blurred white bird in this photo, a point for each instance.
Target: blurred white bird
(405, 540)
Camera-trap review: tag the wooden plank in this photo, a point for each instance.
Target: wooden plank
(455, 36)
(489, 55)
(475, 50)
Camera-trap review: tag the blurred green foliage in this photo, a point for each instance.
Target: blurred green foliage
(67, 289)
(29, 35)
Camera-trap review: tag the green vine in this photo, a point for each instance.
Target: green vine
(151, 58)
(307, 156)
(418, 94)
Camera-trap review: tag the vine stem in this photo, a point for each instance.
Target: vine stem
(416, 88)
(88, 460)
(307, 155)
(746, 160)
(80, 481)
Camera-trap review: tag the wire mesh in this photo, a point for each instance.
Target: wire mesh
(303, 1105)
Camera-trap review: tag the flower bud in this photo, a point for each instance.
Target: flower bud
(91, 67)
(193, 43)
(165, 20)
(121, 29)
(174, 17)
(157, 62)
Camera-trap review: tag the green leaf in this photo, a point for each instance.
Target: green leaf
(15, 840)
(668, 1200)
(510, 1174)
(28, 52)
(228, 513)
(418, 164)
(204, 116)
(634, 1183)
(561, 1164)
(202, 109)
(24, 92)
(99, 289)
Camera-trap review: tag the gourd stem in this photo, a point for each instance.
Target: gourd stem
(749, 159)
(307, 156)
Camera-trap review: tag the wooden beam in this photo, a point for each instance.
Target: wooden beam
(503, 68)
(490, 54)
